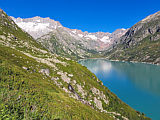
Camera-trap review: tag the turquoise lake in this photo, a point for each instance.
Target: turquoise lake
(137, 84)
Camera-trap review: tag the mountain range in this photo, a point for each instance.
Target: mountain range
(67, 42)
(38, 26)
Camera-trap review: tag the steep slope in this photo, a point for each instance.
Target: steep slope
(36, 84)
(67, 42)
(140, 43)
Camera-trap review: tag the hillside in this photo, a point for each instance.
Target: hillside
(36, 84)
(140, 43)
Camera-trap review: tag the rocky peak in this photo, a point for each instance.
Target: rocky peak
(6, 20)
(2, 12)
(119, 31)
(151, 17)
(37, 26)
(148, 26)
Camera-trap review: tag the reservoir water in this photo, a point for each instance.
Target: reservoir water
(136, 84)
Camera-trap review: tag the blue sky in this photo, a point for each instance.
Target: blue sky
(87, 15)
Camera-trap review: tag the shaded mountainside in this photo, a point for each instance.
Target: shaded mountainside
(62, 43)
(36, 84)
(140, 43)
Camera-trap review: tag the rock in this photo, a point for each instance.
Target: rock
(70, 75)
(98, 103)
(95, 91)
(65, 90)
(64, 76)
(157, 60)
(74, 82)
(32, 108)
(76, 96)
(54, 78)
(100, 94)
(45, 71)
(146, 57)
(25, 68)
(81, 90)
(2, 37)
(19, 97)
(70, 88)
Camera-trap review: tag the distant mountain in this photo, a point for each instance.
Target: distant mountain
(36, 84)
(140, 43)
(67, 42)
(38, 27)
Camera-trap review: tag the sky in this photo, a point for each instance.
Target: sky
(86, 15)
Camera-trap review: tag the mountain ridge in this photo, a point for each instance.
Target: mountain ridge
(101, 36)
(140, 43)
(71, 43)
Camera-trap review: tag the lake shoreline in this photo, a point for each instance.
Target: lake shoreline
(150, 63)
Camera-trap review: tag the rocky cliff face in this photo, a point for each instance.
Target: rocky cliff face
(140, 43)
(148, 26)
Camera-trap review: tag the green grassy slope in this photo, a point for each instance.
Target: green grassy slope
(34, 83)
(24, 94)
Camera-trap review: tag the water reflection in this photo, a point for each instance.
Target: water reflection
(97, 66)
(144, 76)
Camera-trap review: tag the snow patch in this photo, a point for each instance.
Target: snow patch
(105, 39)
(74, 31)
(31, 26)
(80, 35)
(91, 36)
(38, 20)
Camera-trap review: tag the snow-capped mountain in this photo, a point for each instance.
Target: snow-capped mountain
(67, 42)
(38, 27)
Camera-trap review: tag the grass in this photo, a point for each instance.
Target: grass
(29, 96)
